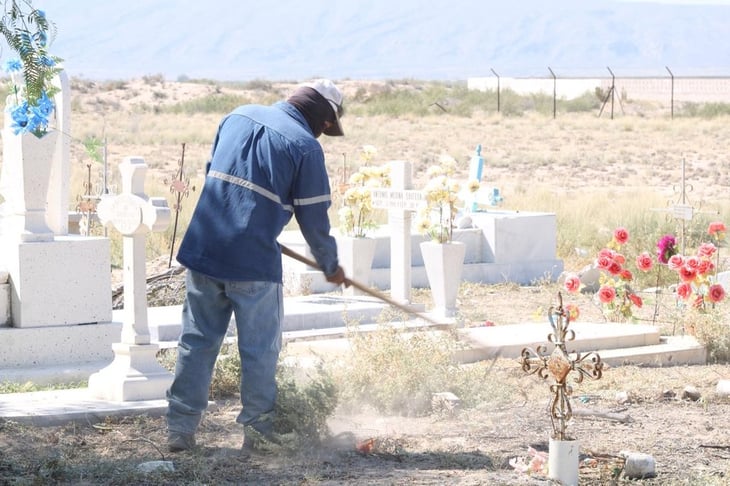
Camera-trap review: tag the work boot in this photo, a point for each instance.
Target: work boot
(180, 441)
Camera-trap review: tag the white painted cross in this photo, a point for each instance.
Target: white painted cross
(401, 201)
(135, 373)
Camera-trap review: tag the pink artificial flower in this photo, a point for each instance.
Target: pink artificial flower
(621, 235)
(666, 247)
(644, 262)
(606, 294)
(692, 262)
(705, 267)
(716, 293)
(684, 290)
(675, 262)
(572, 283)
(706, 250)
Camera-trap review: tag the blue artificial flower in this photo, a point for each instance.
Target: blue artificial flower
(13, 65)
(45, 105)
(38, 120)
(19, 114)
(47, 61)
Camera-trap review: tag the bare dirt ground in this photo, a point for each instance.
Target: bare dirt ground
(687, 438)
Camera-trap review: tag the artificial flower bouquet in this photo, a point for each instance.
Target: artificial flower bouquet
(357, 213)
(696, 288)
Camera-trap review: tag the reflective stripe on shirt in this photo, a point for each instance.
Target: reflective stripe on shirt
(312, 200)
(250, 186)
(268, 194)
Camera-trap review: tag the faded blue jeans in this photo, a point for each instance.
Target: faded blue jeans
(258, 308)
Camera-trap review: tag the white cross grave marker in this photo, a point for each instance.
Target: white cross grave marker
(135, 373)
(401, 201)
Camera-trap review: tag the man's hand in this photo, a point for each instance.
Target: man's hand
(338, 278)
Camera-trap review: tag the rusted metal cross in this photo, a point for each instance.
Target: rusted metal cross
(559, 364)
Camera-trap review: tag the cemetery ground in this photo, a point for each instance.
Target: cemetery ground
(471, 444)
(594, 173)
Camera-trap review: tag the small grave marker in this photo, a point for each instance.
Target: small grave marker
(563, 453)
(681, 210)
(135, 373)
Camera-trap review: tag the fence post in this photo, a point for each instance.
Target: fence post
(672, 92)
(555, 92)
(495, 73)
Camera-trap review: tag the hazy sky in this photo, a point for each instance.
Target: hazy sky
(427, 39)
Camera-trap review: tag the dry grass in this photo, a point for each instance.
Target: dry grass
(594, 173)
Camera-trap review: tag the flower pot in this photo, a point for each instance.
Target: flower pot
(27, 162)
(444, 263)
(563, 461)
(356, 258)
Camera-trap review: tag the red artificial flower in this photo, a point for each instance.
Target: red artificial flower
(636, 300)
(717, 229)
(605, 258)
(614, 268)
(626, 275)
(687, 273)
(716, 293)
(606, 294)
(621, 235)
(644, 262)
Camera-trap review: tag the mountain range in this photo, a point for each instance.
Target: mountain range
(387, 39)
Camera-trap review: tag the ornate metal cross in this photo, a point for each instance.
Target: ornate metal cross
(180, 186)
(681, 209)
(559, 364)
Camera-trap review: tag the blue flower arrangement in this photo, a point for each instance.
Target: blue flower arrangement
(28, 32)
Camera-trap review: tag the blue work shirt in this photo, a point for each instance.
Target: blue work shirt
(265, 166)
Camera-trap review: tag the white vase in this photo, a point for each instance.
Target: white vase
(563, 461)
(26, 173)
(356, 258)
(444, 263)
